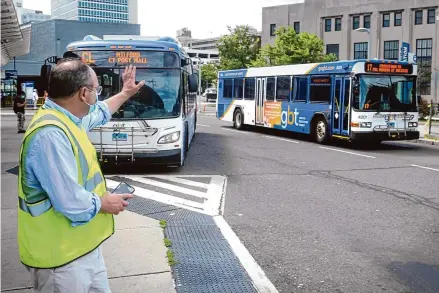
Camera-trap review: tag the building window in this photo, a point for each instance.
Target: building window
(423, 55)
(366, 21)
(272, 29)
(360, 50)
(338, 24)
(297, 27)
(355, 22)
(431, 16)
(328, 23)
(418, 17)
(397, 19)
(391, 50)
(386, 20)
(333, 49)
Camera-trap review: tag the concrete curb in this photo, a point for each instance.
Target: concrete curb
(428, 141)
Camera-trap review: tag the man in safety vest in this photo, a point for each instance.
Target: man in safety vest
(64, 209)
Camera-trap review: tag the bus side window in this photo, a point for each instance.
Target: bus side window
(300, 89)
(320, 89)
(238, 85)
(228, 88)
(283, 86)
(271, 89)
(184, 87)
(249, 89)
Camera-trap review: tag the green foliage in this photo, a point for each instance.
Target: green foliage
(163, 224)
(292, 48)
(238, 49)
(171, 259)
(209, 74)
(167, 242)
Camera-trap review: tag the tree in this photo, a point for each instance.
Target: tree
(209, 74)
(238, 49)
(292, 48)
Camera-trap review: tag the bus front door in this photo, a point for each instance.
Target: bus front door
(260, 96)
(341, 106)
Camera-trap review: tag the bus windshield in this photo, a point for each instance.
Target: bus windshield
(158, 98)
(386, 93)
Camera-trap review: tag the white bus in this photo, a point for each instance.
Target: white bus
(158, 123)
(370, 100)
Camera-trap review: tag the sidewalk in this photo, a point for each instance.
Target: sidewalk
(135, 255)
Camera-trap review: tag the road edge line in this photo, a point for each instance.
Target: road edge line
(259, 279)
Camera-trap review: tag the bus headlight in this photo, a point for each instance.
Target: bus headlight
(169, 138)
(366, 124)
(413, 124)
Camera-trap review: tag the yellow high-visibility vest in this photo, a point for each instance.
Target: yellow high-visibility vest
(46, 238)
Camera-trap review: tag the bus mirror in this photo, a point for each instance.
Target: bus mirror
(193, 83)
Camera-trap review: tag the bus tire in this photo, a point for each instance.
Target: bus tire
(320, 129)
(238, 119)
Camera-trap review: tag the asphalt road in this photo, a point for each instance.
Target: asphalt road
(319, 218)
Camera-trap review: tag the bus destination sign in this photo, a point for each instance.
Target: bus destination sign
(388, 68)
(128, 57)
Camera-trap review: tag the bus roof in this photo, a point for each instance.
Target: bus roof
(157, 45)
(337, 67)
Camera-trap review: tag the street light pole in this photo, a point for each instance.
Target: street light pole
(369, 43)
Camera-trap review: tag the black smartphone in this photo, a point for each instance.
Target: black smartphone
(124, 187)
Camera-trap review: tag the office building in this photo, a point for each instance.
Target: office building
(351, 29)
(109, 11)
(25, 15)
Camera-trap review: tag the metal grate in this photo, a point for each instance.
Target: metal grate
(205, 261)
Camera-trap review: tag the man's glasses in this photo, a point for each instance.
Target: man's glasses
(98, 90)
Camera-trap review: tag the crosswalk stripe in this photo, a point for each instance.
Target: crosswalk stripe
(161, 197)
(184, 181)
(169, 186)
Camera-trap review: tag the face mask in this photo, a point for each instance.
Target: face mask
(92, 107)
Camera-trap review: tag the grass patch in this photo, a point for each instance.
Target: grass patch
(167, 242)
(163, 224)
(171, 260)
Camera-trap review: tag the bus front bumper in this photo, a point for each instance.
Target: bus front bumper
(165, 157)
(384, 135)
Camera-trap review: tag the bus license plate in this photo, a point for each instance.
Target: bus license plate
(120, 136)
(390, 124)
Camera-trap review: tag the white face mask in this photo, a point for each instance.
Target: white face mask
(92, 107)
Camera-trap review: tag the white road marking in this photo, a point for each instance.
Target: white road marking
(163, 198)
(346, 152)
(183, 181)
(202, 125)
(428, 168)
(169, 186)
(212, 197)
(233, 130)
(256, 274)
(282, 139)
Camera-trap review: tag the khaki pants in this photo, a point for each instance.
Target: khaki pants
(84, 275)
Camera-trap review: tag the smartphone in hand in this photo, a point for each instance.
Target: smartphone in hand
(123, 187)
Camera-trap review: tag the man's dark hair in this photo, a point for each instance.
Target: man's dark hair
(67, 77)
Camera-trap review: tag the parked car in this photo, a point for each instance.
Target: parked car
(210, 94)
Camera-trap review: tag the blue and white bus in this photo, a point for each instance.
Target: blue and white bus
(159, 122)
(372, 100)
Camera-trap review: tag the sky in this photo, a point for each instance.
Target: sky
(205, 18)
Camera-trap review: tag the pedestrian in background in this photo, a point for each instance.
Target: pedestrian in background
(19, 110)
(65, 212)
(35, 98)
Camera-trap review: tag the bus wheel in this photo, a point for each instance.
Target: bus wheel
(321, 130)
(238, 120)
